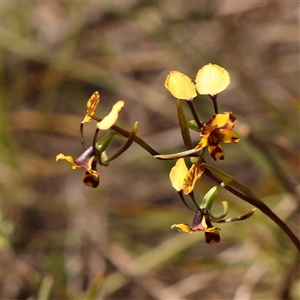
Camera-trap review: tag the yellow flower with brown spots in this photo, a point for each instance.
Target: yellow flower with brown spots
(200, 224)
(184, 179)
(218, 129)
(86, 161)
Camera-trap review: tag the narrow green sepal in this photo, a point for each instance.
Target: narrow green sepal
(223, 215)
(240, 218)
(183, 126)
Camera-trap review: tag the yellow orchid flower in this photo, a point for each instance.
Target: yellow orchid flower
(86, 161)
(218, 129)
(199, 224)
(184, 179)
(108, 120)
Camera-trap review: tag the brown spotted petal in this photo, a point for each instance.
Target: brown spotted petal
(91, 107)
(217, 129)
(212, 235)
(91, 178)
(216, 151)
(227, 136)
(191, 177)
(223, 121)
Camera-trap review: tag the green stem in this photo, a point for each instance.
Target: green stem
(215, 104)
(126, 145)
(182, 198)
(136, 139)
(187, 153)
(96, 153)
(195, 116)
(191, 194)
(81, 136)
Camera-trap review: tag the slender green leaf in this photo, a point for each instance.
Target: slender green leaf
(230, 181)
(183, 126)
(95, 288)
(45, 288)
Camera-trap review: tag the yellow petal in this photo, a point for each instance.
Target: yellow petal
(182, 227)
(112, 117)
(228, 136)
(203, 143)
(180, 86)
(91, 107)
(191, 177)
(177, 174)
(70, 159)
(211, 80)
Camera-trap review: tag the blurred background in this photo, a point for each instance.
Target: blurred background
(63, 240)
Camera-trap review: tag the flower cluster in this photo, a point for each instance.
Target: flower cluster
(96, 154)
(210, 80)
